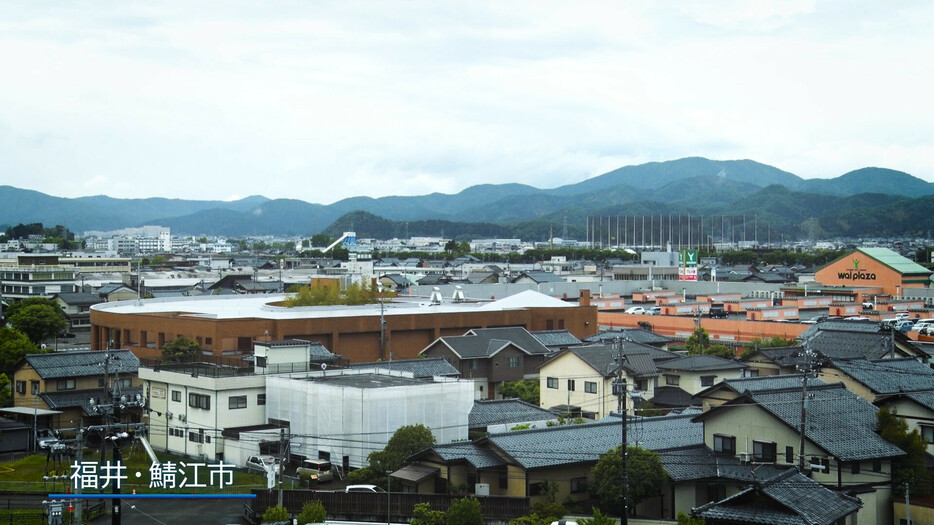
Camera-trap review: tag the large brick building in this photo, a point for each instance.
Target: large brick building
(228, 325)
(879, 268)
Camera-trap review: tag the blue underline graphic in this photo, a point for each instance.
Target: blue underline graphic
(152, 496)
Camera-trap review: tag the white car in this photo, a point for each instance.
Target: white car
(263, 464)
(363, 488)
(655, 310)
(635, 310)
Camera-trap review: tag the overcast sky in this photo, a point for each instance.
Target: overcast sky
(320, 101)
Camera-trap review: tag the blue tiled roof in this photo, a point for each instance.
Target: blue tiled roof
(839, 421)
(556, 338)
(469, 452)
(572, 444)
(790, 498)
(700, 463)
(700, 363)
(505, 411)
(421, 367)
(82, 364)
(886, 376)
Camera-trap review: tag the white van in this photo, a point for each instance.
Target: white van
(921, 323)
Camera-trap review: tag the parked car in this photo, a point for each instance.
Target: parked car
(262, 464)
(319, 470)
(717, 311)
(45, 438)
(921, 323)
(363, 488)
(655, 310)
(635, 310)
(815, 319)
(904, 325)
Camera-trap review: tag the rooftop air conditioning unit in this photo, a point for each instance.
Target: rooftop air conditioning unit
(182, 418)
(745, 457)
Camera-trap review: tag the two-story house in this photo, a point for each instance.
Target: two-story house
(66, 381)
(841, 448)
(579, 380)
(491, 356)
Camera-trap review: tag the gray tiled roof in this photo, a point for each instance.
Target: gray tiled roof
(484, 342)
(572, 444)
(81, 364)
(701, 362)
(421, 367)
(886, 376)
(556, 338)
(835, 344)
(81, 398)
(838, 421)
(505, 411)
(671, 396)
(636, 335)
(79, 298)
(839, 326)
(469, 452)
(790, 498)
(701, 463)
(785, 356)
(765, 383)
(923, 398)
(602, 358)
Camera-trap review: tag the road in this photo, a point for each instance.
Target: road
(171, 512)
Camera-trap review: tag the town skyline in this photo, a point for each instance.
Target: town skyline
(324, 102)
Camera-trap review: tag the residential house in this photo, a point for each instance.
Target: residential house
(116, 292)
(556, 340)
(787, 497)
(77, 309)
(579, 380)
(502, 415)
(66, 381)
(871, 379)
(636, 335)
(841, 447)
(522, 463)
(537, 277)
(730, 389)
(694, 373)
(491, 356)
(916, 408)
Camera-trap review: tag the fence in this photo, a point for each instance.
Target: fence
(362, 505)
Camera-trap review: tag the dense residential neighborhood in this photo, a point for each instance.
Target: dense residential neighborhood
(528, 379)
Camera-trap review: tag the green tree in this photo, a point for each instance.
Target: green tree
(6, 393)
(598, 518)
(720, 351)
(274, 514)
(697, 342)
(14, 345)
(423, 515)
(542, 513)
(312, 512)
(464, 511)
(527, 390)
(321, 240)
(181, 350)
(644, 473)
(322, 293)
(909, 468)
(404, 442)
(38, 321)
(684, 519)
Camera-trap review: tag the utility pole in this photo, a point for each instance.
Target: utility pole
(281, 466)
(907, 504)
(620, 389)
(806, 371)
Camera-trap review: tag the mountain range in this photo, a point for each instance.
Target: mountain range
(868, 202)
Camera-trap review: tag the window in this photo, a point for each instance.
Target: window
(752, 372)
(21, 387)
(855, 467)
(34, 387)
(590, 387)
(876, 465)
(725, 445)
(126, 383)
(570, 385)
(65, 384)
(672, 380)
(552, 382)
(927, 433)
(260, 399)
(716, 492)
(789, 454)
(763, 451)
(538, 489)
(199, 401)
(820, 465)
(196, 437)
(234, 402)
(177, 396)
(578, 485)
(706, 381)
(176, 432)
(260, 361)
(504, 478)
(513, 362)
